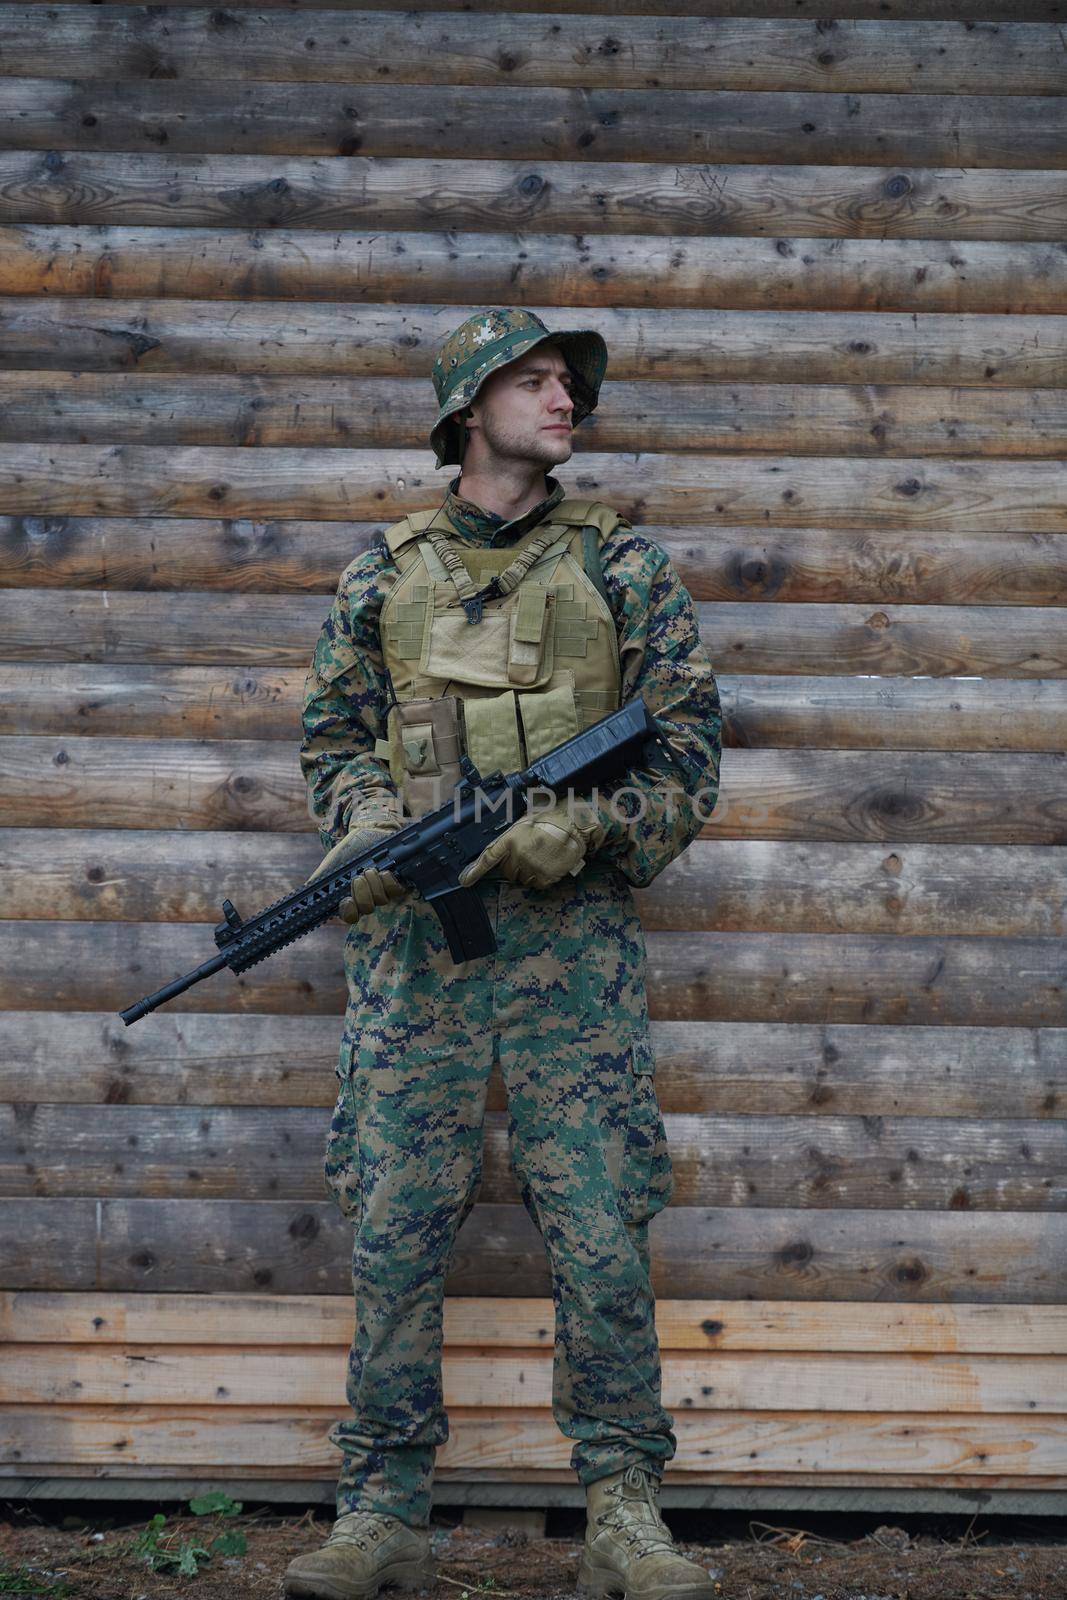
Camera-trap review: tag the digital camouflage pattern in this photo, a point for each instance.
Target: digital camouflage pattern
(561, 1006)
(490, 339)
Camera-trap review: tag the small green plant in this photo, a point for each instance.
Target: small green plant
(171, 1552)
(216, 1504)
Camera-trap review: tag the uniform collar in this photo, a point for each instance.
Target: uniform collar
(486, 527)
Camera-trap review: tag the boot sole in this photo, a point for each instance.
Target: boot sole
(595, 1580)
(403, 1574)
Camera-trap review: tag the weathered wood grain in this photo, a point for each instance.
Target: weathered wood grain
(736, 1253)
(715, 563)
(198, 116)
(74, 1375)
(868, 345)
(397, 414)
(885, 713)
(261, 703)
(746, 54)
(740, 977)
(257, 1153)
(133, 875)
(841, 713)
(455, 266)
(841, 796)
(255, 191)
(138, 480)
(243, 1437)
(721, 1067)
(280, 1322)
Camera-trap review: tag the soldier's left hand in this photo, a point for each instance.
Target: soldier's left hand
(370, 889)
(541, 848)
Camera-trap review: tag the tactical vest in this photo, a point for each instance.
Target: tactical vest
(540, 664)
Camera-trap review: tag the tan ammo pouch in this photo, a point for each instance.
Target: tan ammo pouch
(526, 643)
(491, 727)
(425, 751)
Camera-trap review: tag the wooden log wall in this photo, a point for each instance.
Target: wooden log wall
(830, 261)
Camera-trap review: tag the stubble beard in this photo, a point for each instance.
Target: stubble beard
(534, 446)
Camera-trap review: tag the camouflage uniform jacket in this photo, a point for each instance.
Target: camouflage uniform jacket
(662, 660)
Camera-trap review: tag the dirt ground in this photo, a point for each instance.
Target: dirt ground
(106, 1557)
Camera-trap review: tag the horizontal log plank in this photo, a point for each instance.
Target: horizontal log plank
(766, 637)
(193, 116)
(397, 414)
(130, 875)
(742, 54)
(962, 981)
(257, 1153)
(847, 796)
(879, 713)
(260, 703)
(72, 1375)
(243, 1437)
(723, 1067)
(280, 1322)
(291, 1247)
(135, 480)
(775, 637)
(321, 1481)
(715, 563)
(705, 273)
(255, 191)
(248, 556)
(886, 640)
(263, 703)
(101, 334)
(883, 10)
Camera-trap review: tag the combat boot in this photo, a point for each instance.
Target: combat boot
(365, 1550)
(629, 1550)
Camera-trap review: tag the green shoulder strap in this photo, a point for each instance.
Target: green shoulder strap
(596, 519)
(591, 562)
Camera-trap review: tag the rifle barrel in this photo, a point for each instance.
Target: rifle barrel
(143, 1007)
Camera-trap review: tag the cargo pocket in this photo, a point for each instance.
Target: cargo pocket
(342, 1165)
(646, 1179)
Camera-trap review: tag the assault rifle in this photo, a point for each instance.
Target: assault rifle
(429, 854)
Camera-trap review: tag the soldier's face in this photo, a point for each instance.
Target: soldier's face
(524, 411)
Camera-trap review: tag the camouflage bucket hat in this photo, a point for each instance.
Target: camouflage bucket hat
(489, 340)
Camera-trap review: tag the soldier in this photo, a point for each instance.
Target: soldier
(498, 625)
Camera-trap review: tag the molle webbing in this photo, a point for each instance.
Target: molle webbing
(466, 588)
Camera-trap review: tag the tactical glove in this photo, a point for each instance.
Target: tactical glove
(370, 889)
(541, 848)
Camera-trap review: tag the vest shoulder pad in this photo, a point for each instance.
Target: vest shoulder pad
(406, 531)
(582, 513)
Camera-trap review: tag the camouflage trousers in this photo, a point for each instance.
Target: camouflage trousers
(562, 1007)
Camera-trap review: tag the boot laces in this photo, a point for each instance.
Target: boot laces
(641, 1538)
(361, 1525)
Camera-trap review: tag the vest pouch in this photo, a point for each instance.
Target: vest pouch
(482, 652)
(426, 742)
(548, 718)
(526, 637)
